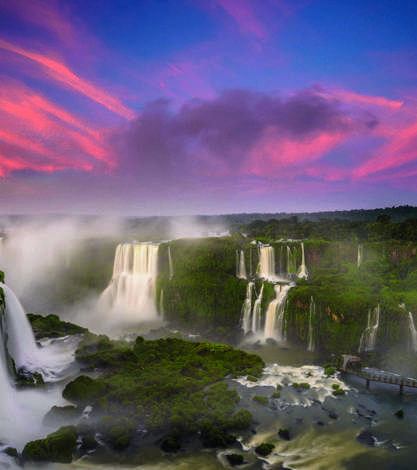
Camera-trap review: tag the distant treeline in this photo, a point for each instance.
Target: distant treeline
(333, 229)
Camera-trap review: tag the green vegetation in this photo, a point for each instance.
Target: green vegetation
(264, 449)
(301, 385)
(234, 459)
(56, 447)
(204, 291)
(52, 327)
(169, 386)
(337, 391)
(260, 399)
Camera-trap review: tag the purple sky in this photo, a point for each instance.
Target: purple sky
(158, 107)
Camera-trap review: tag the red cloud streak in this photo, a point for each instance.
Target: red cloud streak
(61, 73)
(38, 135)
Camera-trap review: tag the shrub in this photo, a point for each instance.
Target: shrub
(264, 449)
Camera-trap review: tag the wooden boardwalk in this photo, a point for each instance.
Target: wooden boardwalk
(375, 375)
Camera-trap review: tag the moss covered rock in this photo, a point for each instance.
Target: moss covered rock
(56, 447)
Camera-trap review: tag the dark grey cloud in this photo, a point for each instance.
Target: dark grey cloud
(209, 136)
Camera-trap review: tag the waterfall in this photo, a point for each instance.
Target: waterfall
(132, 287)
(171, 266)
(303, 273)
(240, 265)
(247, 308)
(360, 255)
(310, 338)
(291, 261)
(17, 333)
(256, 315)
(368, 337)
(266, 268)
(18, 344)
(161, 303)
(274, 317)
(413, 332)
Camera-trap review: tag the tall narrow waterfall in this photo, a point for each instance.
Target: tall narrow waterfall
(360, 255)
(266, 268)
(368, 337)
(303, 273)
(413, 332)
(170, 264)
(132, 287)
(256, 315)
(247, 308)
(240, 265)
(312, 315)
(274, 317)
(291, 261)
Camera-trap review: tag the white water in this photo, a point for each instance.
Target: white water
(360, 255)
(291, 263)
(256, 315)
(312, 314)
(274, 317)
(22, 411)
(170, 264)
(368, 337)
(266, 268)
(303, 273)
(161, 303)
(240, 265)
(247, 308)
(413, 332)
(132, 288)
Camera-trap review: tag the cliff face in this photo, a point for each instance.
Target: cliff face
(347, 283)
(332, 308)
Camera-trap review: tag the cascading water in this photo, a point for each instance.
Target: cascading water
(303, 273)
(19, 342)
(132, 287)
(266, 269)
(274, 317)
(247, 308)
(256, 315)
(312, 314)
(413, 332)
(291, 261)
(240, 265)
(161, 302)
(368, 337)
(170, 264)
(360, 255)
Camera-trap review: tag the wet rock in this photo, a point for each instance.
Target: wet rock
(366, 438)
(320, 423)
(330, 413)
(399, 414)
(284, 433)
(271, 342)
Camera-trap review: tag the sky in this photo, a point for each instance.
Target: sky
(181, 107)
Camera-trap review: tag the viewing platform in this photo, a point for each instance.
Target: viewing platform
(352, 365)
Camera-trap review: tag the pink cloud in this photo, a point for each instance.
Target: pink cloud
(400, 149)
(242, 12)
(36, 134)
(355, 98)
(275, 155)
(62, 74)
